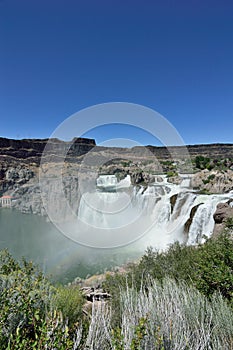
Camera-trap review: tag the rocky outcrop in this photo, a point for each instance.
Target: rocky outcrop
(94, 297)
(224, 211)
(213, 181)
(92, 294)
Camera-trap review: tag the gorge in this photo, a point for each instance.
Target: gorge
(98, 197)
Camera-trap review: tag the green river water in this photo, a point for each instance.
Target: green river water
(34, 238)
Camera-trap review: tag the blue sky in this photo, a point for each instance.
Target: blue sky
(60, 56)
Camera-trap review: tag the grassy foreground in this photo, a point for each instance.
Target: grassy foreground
(181, 299)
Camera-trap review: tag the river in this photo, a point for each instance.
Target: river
(36, 239)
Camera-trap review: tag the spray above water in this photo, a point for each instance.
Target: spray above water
(161, 222)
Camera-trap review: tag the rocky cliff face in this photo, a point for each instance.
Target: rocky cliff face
(217, 151)
(30, 150)
(19, 172)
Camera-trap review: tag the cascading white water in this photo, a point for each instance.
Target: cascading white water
(106, 210)
(203, 220)
(120, 210)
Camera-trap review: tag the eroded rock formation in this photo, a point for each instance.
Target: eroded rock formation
(224, 211)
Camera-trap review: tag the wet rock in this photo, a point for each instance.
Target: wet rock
(137, 178)
(190, 219)
(173, 201)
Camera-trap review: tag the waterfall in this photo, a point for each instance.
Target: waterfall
(106, 210)
(186, 180)
(203, 221)
(118, 213)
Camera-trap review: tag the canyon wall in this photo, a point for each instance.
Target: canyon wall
(84, 161)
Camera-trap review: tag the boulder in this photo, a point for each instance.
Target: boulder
(223, 211)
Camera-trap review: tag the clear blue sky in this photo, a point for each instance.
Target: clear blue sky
(60, 56)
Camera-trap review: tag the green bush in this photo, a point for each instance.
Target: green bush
(23, 292)
(28, 319)
(202, 163)
(172, 173)
(50, 333)
(214, 267)
(69, 300)
(229, 223)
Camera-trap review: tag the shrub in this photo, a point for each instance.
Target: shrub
(165, 316)
(27, 318)
(209, 267)
(50, 334)
(214, 267)
(203, 163)
(69, 300)
(23, 292)
(229, 223)
(172, 173)
(174, 316)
